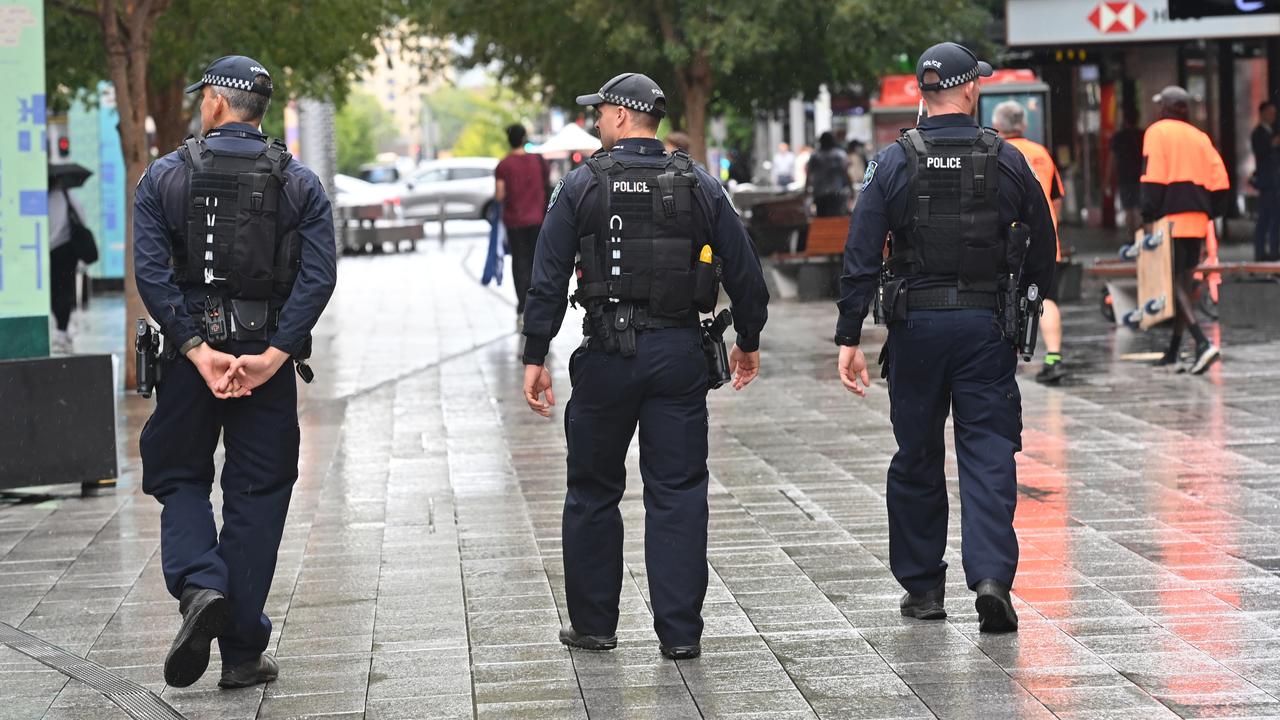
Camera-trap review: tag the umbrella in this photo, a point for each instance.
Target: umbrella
(68, 175)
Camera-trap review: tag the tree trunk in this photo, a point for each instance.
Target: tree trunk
(169, 111)
(696, 84)
(126, 33)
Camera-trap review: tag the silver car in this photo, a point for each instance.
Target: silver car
(464, 186)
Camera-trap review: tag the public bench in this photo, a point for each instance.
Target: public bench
(817, 267)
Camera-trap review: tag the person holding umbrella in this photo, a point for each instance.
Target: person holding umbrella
(69, 243)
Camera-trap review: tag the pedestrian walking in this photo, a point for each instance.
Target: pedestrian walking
(857, 167)
(1010, 120)
(784, 166)
(1265, 142)
(522, 181)
(65, 218)
(1126, 168)
(1185, 182)
(827, 178)
(640, 222)
(969, 226)
(235, 258)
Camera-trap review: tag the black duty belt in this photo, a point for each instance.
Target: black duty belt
(949, 298)
(640, 320)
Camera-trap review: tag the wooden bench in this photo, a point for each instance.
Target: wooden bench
(825, 237)
(818, 266)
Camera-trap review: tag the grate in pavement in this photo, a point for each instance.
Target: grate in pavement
(137, 701)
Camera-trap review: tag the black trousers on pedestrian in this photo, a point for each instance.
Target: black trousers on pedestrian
(663, 389)
(831, 205)
(260, 436)
(952, 362)
(522, 241)
(1266, 234)
(62, 283)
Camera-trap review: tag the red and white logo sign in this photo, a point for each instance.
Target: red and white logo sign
(1117, 17)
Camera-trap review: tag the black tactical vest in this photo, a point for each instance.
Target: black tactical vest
(638, 245)
(232, 240)
(953, 210)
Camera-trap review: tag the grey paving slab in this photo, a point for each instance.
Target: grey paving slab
(421, 573)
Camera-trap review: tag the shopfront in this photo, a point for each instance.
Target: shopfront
(1101, 58)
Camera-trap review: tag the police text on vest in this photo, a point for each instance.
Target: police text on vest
(942, 163)
(630, 186)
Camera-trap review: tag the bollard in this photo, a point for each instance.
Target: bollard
(443, 217)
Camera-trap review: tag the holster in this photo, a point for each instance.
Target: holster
(891, 300)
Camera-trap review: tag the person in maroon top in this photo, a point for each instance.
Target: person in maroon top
(522, 190)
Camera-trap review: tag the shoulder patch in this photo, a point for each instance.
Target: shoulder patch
(555, 194)
(870, 174)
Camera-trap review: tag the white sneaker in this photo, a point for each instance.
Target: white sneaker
(1205, 356)
(60, 343)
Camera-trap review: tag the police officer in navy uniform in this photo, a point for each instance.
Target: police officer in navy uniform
(966, 220)
(634, 221)
(235, 258)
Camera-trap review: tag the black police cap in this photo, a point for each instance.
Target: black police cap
(237, 72)
(955, 65)
(630, 90)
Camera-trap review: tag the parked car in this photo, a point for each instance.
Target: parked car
(465, 185)
(388, 169)
(352, 191)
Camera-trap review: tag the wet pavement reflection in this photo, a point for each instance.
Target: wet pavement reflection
(420, 574)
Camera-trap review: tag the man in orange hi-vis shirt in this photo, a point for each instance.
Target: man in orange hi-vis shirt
(1184, 180)
(1011, 120)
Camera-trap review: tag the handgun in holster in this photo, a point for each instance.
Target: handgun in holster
(1030, 307)
(713, 346)
(148, 347)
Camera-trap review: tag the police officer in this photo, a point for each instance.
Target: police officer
(635, 220)
(947, 194)
(234, 256)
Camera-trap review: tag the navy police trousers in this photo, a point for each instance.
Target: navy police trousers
(952, 362)
(260, 436)
(663, 388)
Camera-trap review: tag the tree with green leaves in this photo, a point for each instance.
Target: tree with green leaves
(361, 126)
(747, 55)
(150, 49)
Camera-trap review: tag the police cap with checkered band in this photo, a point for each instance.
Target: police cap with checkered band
(632, 91)
(237, 72)
(955, 65)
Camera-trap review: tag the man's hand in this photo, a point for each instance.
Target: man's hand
(853, 367)
(251, 371)
(536, 382)
(215, 368)
(744, 366)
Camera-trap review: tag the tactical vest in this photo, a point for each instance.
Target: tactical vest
(638, 245)
(232, 241)
(953, 211)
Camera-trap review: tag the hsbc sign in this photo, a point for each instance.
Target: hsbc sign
(1081, 22)
(1117, 17)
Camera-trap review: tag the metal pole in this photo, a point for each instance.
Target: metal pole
(442, 219)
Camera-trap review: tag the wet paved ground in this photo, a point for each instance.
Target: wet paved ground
(420, 575)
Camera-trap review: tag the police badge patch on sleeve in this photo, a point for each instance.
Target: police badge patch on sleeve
(869, 174)
(555, 195)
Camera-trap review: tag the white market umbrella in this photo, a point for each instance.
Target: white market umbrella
(570, 139)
